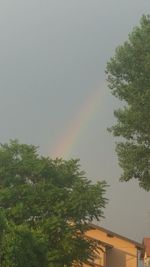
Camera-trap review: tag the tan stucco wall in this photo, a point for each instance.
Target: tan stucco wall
(146, 262)
(123, 253)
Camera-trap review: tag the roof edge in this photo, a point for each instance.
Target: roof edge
(138, 245)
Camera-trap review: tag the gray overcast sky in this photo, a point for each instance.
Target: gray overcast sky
(53, 56)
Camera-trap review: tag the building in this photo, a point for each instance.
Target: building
(114, 250)
(145, 255)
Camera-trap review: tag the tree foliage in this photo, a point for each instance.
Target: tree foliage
(129, 80)
(46, 206)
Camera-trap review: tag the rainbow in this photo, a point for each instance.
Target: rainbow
(84, 116)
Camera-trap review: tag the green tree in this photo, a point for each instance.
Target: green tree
(47, 206)
(3, 226)
(24, 247)
(129, 80)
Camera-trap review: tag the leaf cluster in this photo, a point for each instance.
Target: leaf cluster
(128, 75)
(46, 207)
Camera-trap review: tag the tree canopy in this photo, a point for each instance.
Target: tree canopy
(129, 80)
(46, 206)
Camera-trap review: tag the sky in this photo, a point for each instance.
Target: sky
(53, 91)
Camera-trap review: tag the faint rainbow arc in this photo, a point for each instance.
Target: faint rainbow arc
(76, 127)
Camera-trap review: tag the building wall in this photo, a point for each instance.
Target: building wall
(147, 262)
(123, 253)
(100, 258)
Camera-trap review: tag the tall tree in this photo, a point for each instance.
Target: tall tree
(129, 80)
(46, 207)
